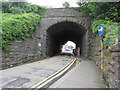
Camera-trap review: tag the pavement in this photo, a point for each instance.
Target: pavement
(84, 75)
(27, 75)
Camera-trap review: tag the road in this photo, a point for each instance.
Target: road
(26, 76)
(84, 75)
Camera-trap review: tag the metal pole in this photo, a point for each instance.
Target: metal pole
(102, 58)
(102, 54)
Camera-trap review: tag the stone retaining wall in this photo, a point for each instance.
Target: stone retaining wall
(109, 63)
(114, 66)
(21, 52)
(32, 49)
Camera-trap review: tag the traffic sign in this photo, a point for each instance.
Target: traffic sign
(100, 29)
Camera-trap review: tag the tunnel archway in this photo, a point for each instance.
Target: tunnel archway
(59, 33)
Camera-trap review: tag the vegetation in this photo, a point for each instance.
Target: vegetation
(19, 20)
(100, 10)
(18, 27)
(66, 4)
(22, 7)
(110, 31)
(105, 13)
(71, 15)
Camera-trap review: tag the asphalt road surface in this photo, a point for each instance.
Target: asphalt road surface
(26, 76)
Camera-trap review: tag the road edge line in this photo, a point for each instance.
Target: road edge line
(49, 77)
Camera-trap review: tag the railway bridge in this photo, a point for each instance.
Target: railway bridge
(56, 28)
(62, 25)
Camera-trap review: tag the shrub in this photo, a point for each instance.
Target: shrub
(17, 27)
(110, 31)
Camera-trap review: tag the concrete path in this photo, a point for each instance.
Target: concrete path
(26, 76)
(84, 75)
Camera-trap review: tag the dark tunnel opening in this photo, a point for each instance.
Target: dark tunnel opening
(58, 34)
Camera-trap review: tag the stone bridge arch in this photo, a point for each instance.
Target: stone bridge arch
(51, 25)
(68, 22)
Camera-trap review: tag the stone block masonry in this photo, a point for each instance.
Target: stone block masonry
(111, 62)
(63, 24)
(58, 26)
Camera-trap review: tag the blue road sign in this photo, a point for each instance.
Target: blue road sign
(100, 29)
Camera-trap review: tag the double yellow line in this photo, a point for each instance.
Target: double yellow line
(43, 81)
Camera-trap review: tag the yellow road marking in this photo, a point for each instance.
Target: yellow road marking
(51, 75)
(57, 75)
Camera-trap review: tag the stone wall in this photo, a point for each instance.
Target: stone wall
(54, 16)
(37, 48)
(22, 51)
(109, 63)
(114, 66)
(32, 49)
(86, 44)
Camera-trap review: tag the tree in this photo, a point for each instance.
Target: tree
(22, 7)
(66, 4)
(100, 10)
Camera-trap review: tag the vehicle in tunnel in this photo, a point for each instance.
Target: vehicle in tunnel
(59, 33)
(66, 54)
(68, 47)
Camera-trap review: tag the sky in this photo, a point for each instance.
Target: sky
(70, 43)
(54, 3)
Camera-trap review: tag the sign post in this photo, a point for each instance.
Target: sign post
(78, 51)
(100, 32)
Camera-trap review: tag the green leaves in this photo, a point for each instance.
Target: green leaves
(110, 31)
(22, 7)
(18, 27)
(96, 23)
(16, 10)
(19, 20)
(106, 13)
(101, 10)
(111, 34)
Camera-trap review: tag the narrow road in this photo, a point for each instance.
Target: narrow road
(26, 76)
(84, 75)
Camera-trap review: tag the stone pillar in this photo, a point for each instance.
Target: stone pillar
(86, 44)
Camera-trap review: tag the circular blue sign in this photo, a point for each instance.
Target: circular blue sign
(100, 29)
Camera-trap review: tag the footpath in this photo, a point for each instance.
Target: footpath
(84, 75)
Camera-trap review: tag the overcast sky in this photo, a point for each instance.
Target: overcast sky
(54, 3)
(70, 43)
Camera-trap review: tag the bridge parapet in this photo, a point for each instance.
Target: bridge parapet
(63, 12)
